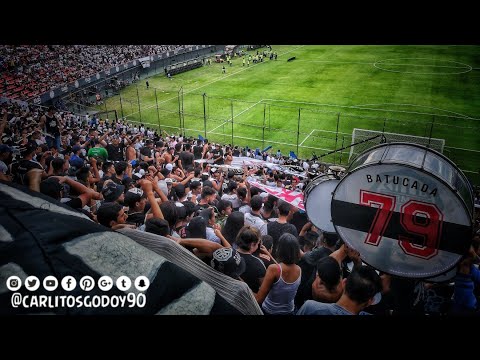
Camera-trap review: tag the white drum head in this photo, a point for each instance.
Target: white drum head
(318, 205)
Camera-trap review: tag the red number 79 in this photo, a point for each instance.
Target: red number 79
(411, 212)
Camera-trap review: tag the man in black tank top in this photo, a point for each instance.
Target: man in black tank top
(198, 150)
(53, 127)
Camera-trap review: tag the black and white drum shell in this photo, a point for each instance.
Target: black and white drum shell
(423, 188)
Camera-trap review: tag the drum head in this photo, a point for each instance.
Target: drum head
(318, 198)
(403, 220)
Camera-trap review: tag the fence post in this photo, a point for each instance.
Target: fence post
(183, 117)
(231, 104)
(298, 130)
(121, 105)
(138, 99)
(269, 106)
(264, 117)
(158, 114)
(204, 115)
(341, 152)
(179, 110)
(431, 132)
(336, 139)
(263, 132)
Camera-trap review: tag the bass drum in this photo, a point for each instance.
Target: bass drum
(406, 208)
(317, 200)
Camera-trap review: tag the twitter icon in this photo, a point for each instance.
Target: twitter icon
(32, 283)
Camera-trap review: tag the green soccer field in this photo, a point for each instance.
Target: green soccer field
(314, 102)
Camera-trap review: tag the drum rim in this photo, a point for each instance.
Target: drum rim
(455, 191)
(409, 275)
(305, 199)
(307, 190)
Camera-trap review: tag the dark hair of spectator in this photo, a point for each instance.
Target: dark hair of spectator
(207, 214)
(254, 191)
(288, 249)
(57, 164)
(246, 236)
(223, 205)
(232, 226)
(157, 226)
(271, 199)
(51, 187)
(362, 284)
(189, 207)
(268, 206)
(181, 212)
(197, 228)
(267, 241)
(256, 202)
(207, 191)
(330, 239)
(108, 212)
(284, 208)
(106, 165)
(82, 174)
(120, 167)
(329, 272)
(169, 210)
(242, 193)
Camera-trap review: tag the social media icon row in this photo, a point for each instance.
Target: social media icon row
(86, 283)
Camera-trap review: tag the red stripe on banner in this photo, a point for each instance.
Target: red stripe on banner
(293, 197)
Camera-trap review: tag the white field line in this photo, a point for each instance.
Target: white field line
(240, 113)
(339, 62)
(457, 148)
(311, 132)
(377, 62)
(215, 128)
(275, 142)
(442, 66)
(366, 108)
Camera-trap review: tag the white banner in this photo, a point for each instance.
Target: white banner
(293, 197)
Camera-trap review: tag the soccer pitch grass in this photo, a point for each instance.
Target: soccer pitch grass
(396, 89)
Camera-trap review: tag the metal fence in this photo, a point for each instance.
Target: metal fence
(304, 128)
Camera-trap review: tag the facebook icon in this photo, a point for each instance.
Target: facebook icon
(69, 283)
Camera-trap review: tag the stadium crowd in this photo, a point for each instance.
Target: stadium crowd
(28, 71)
(127, 176)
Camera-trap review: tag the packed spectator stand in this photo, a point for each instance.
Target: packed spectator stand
(28, 71)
